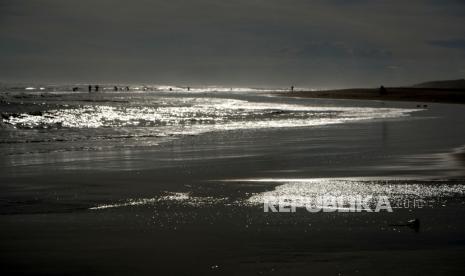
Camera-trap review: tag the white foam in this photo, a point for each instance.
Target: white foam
(197, 115)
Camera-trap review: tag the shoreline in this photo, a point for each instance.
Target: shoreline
(81, 212)
(434, 95)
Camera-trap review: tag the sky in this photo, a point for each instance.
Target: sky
(248, 43)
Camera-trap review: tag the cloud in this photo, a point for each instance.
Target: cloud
(241, 42)
(449, 43)
(328, 49)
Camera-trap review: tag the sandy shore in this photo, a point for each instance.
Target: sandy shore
(390, 94)
(169, 210)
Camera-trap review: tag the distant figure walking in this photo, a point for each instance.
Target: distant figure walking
(115, 88)
(127, 88)
(188, 88)
(96, 88)
(382, 90)
(90, 88)
(292, 88)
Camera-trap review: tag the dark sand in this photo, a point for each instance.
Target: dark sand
(391, 94)
(47, 227)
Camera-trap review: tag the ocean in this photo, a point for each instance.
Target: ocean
(58, 119)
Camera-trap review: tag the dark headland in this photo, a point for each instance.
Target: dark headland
(449, 91)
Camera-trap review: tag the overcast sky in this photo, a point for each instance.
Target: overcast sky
(272, 43)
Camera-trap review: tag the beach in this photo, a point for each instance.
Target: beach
(415, 94)
(90, 191)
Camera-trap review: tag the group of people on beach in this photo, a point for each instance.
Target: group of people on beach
(115, 88)
(96, 88)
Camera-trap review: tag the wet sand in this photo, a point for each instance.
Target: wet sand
(390, 94)
(193, 221)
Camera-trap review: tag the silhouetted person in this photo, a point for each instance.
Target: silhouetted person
(115, 88)
(382, 90)
(171, 89)
(292, 88)
(90, 88)
(96, 88)
(127, 88)
(188, 88)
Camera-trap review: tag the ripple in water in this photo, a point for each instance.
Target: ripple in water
(211, 114)
(105, 121)
(179, 198)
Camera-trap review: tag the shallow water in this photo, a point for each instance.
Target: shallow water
(66, 120)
